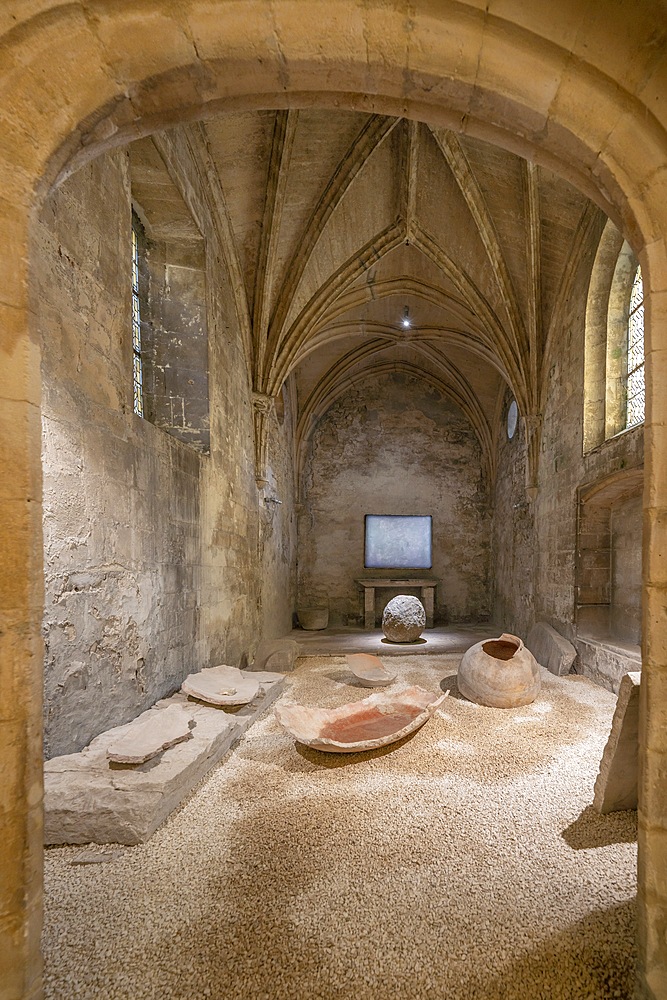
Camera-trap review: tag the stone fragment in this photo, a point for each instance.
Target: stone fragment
(499, 673)
(151, 733)
(87, 801)
(280, 654)
(313, 619)
(551, 649)
(362, 725)
(369, 670)
(222, 685)
(403, 619)
(616, 783)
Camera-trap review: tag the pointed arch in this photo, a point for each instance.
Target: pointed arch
(350, 369)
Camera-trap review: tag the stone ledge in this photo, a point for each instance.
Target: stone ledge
(606, 661)
(87, 800)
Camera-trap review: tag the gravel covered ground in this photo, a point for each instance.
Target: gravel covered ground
(463, 863)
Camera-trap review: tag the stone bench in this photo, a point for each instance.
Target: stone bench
(88, 799)
(426, 585)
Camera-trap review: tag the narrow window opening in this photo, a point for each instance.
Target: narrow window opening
(636, 390)
(137, 366)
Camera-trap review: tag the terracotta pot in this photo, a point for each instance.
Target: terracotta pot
(313, 619)
(499, 673)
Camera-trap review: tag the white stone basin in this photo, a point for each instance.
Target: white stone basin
(150, 734)
(369, 670)
(373, 722)
(222, 685)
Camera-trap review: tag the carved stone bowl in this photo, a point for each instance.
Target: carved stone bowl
(222, 685)
(499, 673)
(369, 670)
(373, 722)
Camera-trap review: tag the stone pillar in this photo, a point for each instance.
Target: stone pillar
(20, 625)
(652, 837)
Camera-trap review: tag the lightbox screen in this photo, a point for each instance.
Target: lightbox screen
(396, 541)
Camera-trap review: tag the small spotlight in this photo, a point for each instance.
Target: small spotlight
(406, 318)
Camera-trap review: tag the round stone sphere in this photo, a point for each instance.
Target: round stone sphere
(403, 619)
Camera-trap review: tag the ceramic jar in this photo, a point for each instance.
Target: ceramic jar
(499, 673)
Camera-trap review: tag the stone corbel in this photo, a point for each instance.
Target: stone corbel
(262, 405)
(262, 402)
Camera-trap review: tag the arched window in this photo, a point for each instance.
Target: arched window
(635, 389)
(137, 363)
(614, 346)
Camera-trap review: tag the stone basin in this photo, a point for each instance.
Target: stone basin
(222, 685)
(369, 670)
(363, 725)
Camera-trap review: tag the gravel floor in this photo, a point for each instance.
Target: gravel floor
(463, 863)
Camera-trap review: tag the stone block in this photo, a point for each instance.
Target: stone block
(551, 649)
(88, 799)
(616, 784)
(278, 654)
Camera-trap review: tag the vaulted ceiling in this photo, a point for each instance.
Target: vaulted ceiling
(338, 225)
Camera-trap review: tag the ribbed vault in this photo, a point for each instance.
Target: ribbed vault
(337, 226)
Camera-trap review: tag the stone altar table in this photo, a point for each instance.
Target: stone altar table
(426, 584)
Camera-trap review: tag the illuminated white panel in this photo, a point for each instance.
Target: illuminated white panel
(396, 541)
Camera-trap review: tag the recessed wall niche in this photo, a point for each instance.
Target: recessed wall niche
(609, 559)
(172, 277)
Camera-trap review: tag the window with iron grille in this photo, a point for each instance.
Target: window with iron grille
(137, 364)
(635, 385)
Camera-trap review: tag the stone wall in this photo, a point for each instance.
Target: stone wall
(626, 576)
(393, 445)
(542, 535)
(514, 557)
(154, 564)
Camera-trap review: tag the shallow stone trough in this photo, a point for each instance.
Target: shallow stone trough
(91, 799)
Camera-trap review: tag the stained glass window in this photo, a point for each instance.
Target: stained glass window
(137, 368)
(636, 392)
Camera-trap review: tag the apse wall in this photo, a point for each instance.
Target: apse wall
(394, 445)
(157, 556)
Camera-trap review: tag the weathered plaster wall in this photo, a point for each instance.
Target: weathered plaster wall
(152, 555)
(514, 558)
(626, 568)
(394, 445)
(278, 521)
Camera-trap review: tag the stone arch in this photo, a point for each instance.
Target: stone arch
(365, 361)
(579, 89)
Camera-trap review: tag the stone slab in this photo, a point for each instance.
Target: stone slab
(551, 649)
(617, 781)
(222, 685)
(89, 799)
(151, 733)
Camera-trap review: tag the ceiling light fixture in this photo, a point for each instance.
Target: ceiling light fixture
(406, 317)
